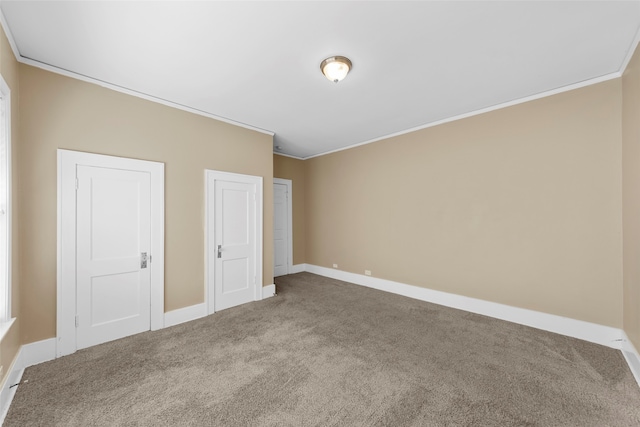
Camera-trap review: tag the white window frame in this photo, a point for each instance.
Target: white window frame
(5, 208)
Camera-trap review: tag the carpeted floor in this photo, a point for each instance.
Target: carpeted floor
(324, 352)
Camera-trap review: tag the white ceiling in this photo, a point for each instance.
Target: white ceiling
(257, 63)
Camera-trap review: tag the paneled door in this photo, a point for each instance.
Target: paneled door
(234, 218)
(280, 229)
(113, 241)
(110, 249)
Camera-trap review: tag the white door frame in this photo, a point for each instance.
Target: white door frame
(68, 161)
(209, 233)
(289, 185)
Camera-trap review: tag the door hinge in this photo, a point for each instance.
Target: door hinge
(150, 259)
(76, 183)
(77, 321)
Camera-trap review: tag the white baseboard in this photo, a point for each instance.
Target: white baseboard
(186, 314)
(37, 352)
(268, 291)
(7, 392)
(632, 356)
(599, 334)
(45, 350)
(193, 312)
(298, 268)
(28, 355)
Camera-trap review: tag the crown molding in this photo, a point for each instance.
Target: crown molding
(478, 112)
(630, 52)
(278, 153)
(9, 34)
(168, 103)
(117, 88)
(610, 76)
(142, 95)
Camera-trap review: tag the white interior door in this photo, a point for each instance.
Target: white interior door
(113, 242)
(110, 210)
(234, 216)
(280, 230)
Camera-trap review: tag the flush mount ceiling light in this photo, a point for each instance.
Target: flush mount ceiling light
(336, 68)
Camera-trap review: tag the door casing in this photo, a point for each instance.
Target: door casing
(289, 185)
(66, 234)
(210, 176)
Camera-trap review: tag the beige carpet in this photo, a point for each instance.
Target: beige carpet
(324, 352)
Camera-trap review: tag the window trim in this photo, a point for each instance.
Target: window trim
(5, 311)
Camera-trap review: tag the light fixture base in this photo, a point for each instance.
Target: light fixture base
(336, 68)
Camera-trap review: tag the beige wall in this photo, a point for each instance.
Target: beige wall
(520, 206)
(10, 345)
(60, 112)
(293, 169)
(631, 196)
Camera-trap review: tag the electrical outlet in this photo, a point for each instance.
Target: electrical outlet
(367, 272)
(335, 265)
